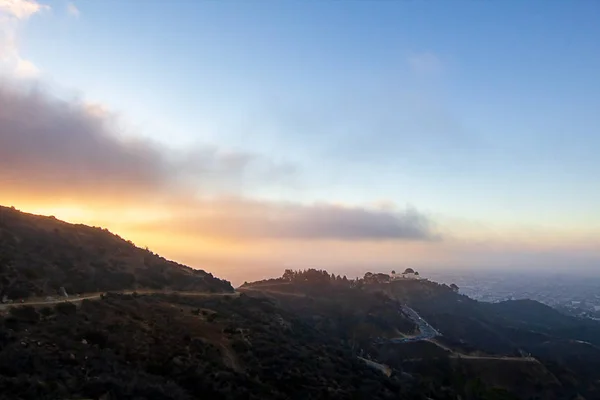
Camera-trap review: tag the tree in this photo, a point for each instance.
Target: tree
(288, 275)
(381, 278)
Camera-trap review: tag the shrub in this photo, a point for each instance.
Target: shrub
(25, 313)
(66, 308)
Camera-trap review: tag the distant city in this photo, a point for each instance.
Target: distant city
(572, 294)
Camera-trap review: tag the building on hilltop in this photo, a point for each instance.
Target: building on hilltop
(408, 273)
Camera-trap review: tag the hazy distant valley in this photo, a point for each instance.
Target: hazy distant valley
(576, 293)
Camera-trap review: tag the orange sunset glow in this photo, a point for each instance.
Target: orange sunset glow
(245, 183)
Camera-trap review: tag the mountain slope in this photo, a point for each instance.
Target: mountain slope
(569, 347)
(483, 346)
(301, 336)
(39, 255)
(184, 347)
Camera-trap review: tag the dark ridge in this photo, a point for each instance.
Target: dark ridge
(40, 255)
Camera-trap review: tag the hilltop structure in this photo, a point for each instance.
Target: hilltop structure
(408, 273)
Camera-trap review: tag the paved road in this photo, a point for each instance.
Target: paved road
(426, 331)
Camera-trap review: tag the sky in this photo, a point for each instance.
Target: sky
(246, 137)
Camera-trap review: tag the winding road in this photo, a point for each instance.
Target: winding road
(427, 331)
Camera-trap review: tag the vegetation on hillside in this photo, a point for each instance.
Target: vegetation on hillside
(567, 348)
(304, 335)
(39, 255)
(171, 347)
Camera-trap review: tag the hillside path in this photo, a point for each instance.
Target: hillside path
(96, 296)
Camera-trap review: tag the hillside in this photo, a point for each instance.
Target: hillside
(175, 347)
(39, 255)
(355, 317)
(305, 335)
(567, 346)
(523, 347)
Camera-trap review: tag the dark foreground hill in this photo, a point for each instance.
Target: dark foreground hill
(39, 255)
(195, 347)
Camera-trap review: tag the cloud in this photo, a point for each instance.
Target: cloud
(48, 145)
(73, 10)
(26, 69)
(21, 9)
(425, 63)
(77, 151)
(12, 15)
(240, 218)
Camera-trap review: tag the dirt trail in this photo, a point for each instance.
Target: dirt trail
(95, 296)
(384, 369)
(456, 354)
(231, 359)
(261, 289)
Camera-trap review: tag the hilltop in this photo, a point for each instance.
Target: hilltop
(524, 347)
(39, 255)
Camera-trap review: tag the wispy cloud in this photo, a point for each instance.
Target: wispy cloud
(73, 10)
(21, 9)
(26, 69)
(425, 63)
(12, 14)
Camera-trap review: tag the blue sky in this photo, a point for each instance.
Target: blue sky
(483, 112)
